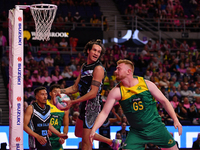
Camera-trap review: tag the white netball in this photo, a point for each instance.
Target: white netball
(59, 101)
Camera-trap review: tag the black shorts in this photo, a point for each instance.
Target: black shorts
(89, 111)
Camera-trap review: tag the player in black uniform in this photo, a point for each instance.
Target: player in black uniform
(89, 83)
(37, 122)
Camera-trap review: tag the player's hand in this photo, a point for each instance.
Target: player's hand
(179, 126)
(54, 97)
(69, 104)
(49, 133)
(61, 140)
(92, 133)
(42, 140)
(64, 135)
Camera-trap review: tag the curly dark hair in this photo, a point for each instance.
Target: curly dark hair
(90, 44)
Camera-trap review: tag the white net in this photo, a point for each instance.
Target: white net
(43, 15)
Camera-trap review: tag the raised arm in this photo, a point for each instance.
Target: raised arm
(158, 95)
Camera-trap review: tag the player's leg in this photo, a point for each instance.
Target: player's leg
(79, 128)
(85, 139)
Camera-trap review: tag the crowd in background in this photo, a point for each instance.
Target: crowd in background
(174, 68)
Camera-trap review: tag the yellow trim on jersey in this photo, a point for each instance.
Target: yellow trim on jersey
(53, 107)
(138, 88)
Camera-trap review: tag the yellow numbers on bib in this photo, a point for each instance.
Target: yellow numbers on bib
(54, 121)
(138, 106)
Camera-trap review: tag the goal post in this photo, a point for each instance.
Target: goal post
(16, 88)
(43, 15)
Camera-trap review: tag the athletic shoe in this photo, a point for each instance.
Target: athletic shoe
(116, 144)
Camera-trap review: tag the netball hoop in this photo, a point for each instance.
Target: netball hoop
(43, 15)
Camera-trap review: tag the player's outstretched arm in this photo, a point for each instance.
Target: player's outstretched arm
(112, 97)
(52, 129)
(158, 95)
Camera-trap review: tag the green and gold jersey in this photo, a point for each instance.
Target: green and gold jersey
(56, 118)
(139, 105)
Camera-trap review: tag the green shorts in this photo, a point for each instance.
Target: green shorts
(55, 144)
(159, 136)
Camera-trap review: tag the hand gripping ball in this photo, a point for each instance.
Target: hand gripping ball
(59, 101)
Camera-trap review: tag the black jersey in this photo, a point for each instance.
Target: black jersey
(39, 123)
(86, 78)
(90, 108)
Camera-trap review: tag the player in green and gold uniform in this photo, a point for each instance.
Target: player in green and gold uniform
(58, 118)
(137, 99)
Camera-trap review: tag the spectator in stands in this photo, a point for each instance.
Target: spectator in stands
(146, 53)
(196, 144)
(42, 66)
(187, 93)
(44, 46)
(49, 61)
(123, 132)
(141, 63)
(174, 67)
(150, 45)
(73, 43)
(164, 82)
(120, 114)
(28, 57)
(82, 60)
(46, 79)
(166, 45)
(64, 44)
(78, 20)
(95, 22)
(157, 46)
(106, 63)
(72, 64)
(67, 73)
(56, 78)
(77, 71)
(184, 46)
(124, 52)
(60, 25)
(53, 45)
(56, 68)
(182, 69)
(32, 65)
(165, 73)
(39, 57)
(164, 91)
(185, 108)
(176, 105)
(29, 94)
(36, 79)
(58, 60)
(147, 75)
(105, 24)
(197, 93)
(173, 92)
(176, 82)
(197, 109)
(192, 68)
(174, 45)
(27, 81)
(5, 59)
(129, 11)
